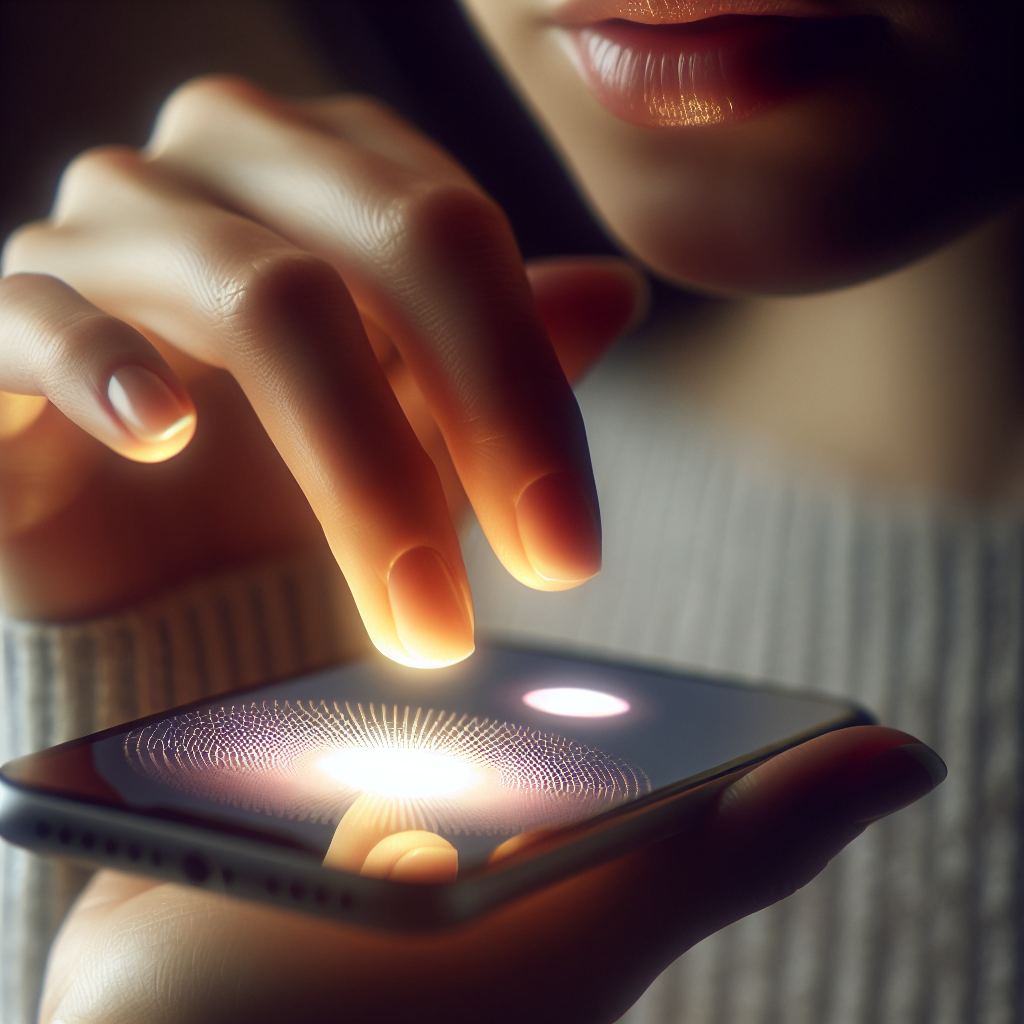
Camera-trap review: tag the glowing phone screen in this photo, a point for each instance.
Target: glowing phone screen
(503, 743)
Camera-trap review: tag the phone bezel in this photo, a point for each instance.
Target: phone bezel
(102, 834)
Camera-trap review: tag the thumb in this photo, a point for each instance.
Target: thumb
(586, 303)
(779, 825)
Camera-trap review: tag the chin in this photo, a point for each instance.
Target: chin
(795, 243)
(817, 197)
(781, 252)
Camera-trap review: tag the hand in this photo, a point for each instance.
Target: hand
(341, 317)
(581, 951)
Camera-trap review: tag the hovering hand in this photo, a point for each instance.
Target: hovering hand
(331, 323)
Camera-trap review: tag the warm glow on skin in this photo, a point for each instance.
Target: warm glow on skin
(372, 840)
(519, 842)
(413, 856)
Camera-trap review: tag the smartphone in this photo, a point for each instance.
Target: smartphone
(533, 765)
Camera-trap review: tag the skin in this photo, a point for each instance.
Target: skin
(906, 379)
(247, 309)
(885, 160)
(359, 369)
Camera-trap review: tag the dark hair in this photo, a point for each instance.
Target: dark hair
(425, 60)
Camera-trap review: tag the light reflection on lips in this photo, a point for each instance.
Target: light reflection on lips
(711, 70)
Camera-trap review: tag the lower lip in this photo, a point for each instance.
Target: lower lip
(716, 71)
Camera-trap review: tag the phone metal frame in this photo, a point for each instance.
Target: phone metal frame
(107, 837)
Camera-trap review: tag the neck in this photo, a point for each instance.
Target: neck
(913, 380)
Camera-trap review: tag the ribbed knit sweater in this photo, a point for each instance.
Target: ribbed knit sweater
(282, 618)
(724, 555)
(720, 554)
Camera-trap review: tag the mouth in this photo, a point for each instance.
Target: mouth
(687, 63)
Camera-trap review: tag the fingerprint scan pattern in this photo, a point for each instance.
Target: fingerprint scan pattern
(263, 757)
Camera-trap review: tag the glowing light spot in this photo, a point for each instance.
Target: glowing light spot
(575, 702)
(394, 772)
(422, 769)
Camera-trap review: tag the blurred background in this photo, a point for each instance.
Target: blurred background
(80, 73)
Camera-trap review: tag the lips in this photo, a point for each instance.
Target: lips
(710, 70)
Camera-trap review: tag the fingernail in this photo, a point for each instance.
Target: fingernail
(892, 779)
(560, 528)
(431, 864)
(433, 619)
(146, 405)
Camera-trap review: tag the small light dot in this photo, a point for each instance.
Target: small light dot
(575, 702)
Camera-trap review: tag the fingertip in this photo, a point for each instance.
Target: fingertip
(861, 773)
(560, 529)
(159, 419)
(892, 779)
(412, 856)
(929, 760)
(433, 616)
(146, 406)
(430, 865)
(632, 283)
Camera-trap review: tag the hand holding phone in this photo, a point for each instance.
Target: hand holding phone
(582, 950)
(573, 855)
(500, 775)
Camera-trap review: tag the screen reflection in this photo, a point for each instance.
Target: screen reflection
(376, 769)
(392, 781)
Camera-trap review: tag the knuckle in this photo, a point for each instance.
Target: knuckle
(272, 287)
(68, 348)
(92, 172)
(204, 90)
(275, 274)
(20, 247)
(450, 217)
(193, 101)
(101, 162)
(74, 340)
(19, 290)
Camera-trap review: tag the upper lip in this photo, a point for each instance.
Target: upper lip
(679, 12)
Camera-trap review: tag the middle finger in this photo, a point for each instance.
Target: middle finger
(432, 260)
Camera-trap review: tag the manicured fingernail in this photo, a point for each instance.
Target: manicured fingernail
(430, 864)
(146, 405)
(894, 778)
(433, 619)
(560, 528)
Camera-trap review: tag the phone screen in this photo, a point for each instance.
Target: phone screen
(507, 742)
